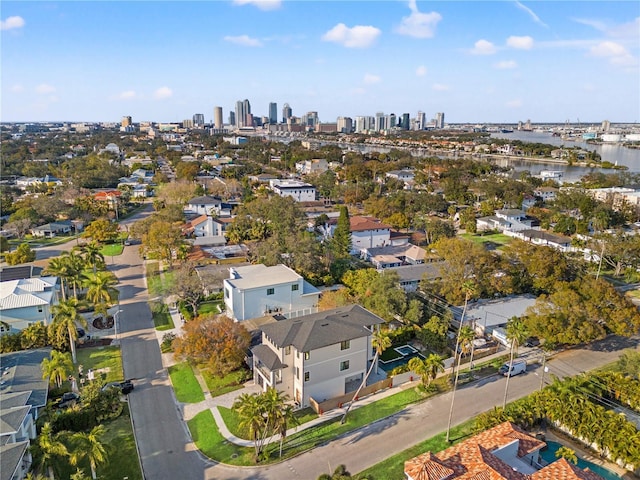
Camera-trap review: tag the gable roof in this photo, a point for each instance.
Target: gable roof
(204, 200)
(11, 455)
(561, 469)
(322, 329)
(361, 224)
(12, 418)
(14, 399)
(427, 467)
(21, 372)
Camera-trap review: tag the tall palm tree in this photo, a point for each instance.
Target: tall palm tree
(49, 446)
(89, 446)
(380, 342)
(285, 417)
(75, 266)
(250, 410)
(568, 454)
(101, 290)
(66, 317)
(470, 289)
(57, 367)
(93, 256)
(59, 268)
(517, 333)
(427, 368)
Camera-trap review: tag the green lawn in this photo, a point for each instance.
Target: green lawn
(217, 448)
(158, 283)
(102, 357)
(209, 307)
(230, 382)
(121, 448)
(185, 383)
(498, 238)
(393, 467)
(389, 355)
(161, 317)
(232, 421)
(111, 250)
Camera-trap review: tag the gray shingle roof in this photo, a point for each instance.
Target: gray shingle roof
(21, 372)
(267, 357)
(11, 455)
(322, 329)
(14, 399)
(204, 200)
(12, 418)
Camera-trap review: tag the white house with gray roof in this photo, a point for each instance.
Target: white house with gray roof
(319, 356)
(27, 301)
(257, 290)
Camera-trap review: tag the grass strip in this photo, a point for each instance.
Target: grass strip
(230, 382)
(161, 317)
(185, 383)
(232, 420)
(121, 447)
(108, 358)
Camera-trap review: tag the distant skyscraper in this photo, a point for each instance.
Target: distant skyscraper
(345, 124)
(286, 113)
(361, 124)
(248, 121)
(273, 113)
(606, 125)
(421, 119)
(198, 119)
(232, 118)
(217, 118)
(380, 123)
(240, 114)
(391, 121)
(126, 121)
(187, 123)
(405, 121)
(440, 120)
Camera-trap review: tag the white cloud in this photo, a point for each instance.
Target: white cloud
(370, 79)
(261, 4)
(421, 71)
(359, 36)
(532, 14)
(506, 65)
(597, 24)
(616, 53)
(514, 103)
(162, 93)
(126, 95)
(440, 87)
(44, 88)
(11, 23)
(17, 88)
(244, 40)
(521, 43)
(418, 24)
(483, 47)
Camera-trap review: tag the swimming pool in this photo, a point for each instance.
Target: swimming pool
(549, 455)
(405, 350)
(388, 366)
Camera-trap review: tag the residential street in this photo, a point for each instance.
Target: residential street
(167, 452)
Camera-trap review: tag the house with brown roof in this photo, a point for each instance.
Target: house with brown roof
(368, 232)
(504, 452)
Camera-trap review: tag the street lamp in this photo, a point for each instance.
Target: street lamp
(115, 322)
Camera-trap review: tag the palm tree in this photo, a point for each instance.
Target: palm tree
(66, 317)
(56, 368)
(93, 256)
(285, 418)
(469, 289)
(101, 290)
(568, 454)
(250, 410)
(88, 445)
(427, 368)
(517, 333)
(49, 447)
(380, 342)
(59, 268)
(75, 266)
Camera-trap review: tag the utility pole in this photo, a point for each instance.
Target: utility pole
(544, 366)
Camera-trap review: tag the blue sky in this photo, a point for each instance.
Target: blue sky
(478, 61)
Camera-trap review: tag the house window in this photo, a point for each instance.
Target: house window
(344, 365)
(306, 355)
(271, 291)
(306, 376)
(226, 293)
(297, 373)
(40, 309)
(294, 287)
(287, 350)
(345, 345)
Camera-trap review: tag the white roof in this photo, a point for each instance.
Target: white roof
(27, 292)
(256, 276)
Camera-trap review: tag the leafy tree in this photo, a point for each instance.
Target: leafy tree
(568, 454)
(48, 449)
(34, 336)
(427, 368)
(434, 332)
(102, 230)
(517, 334)
(23, 254)
(65, 322)
(218, 342)
(341, 241)
(163, 239)
(4, 244)
(89, 446)
(57, 367)
(20, 226)
(187, 285)
(629, 363)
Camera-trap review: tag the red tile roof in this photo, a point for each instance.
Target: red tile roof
(427, 467)
(361, 224)
(561, 469)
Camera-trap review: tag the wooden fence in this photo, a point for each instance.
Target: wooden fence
(338, 402)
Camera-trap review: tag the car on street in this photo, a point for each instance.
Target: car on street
(67, 400)
(125, 387)
(532, 342)
(515, 368)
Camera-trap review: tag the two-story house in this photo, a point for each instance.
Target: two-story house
(26, 301)
(368, 232)
(319, 356)
(257, 290)
(207, 205)
(299, 191)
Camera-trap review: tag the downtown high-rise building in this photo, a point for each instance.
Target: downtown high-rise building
(198, 119)
(287, 113)
(406, 122)
(232, 118)
(440, 120)
(380, 124)
(273, 113)
(421, 120)
(217, 118)
(243, 114)
(126, 122)
(344, 124)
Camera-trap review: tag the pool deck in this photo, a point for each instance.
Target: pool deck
(555, 436)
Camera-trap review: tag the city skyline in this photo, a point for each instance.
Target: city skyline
(494, 62)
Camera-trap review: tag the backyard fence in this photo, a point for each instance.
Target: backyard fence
(338, 402)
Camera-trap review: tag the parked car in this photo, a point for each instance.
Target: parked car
(67, 400)
(532, 342)
(517, 367)
(125, 387)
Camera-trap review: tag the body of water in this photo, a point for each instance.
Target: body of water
(549, 455)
